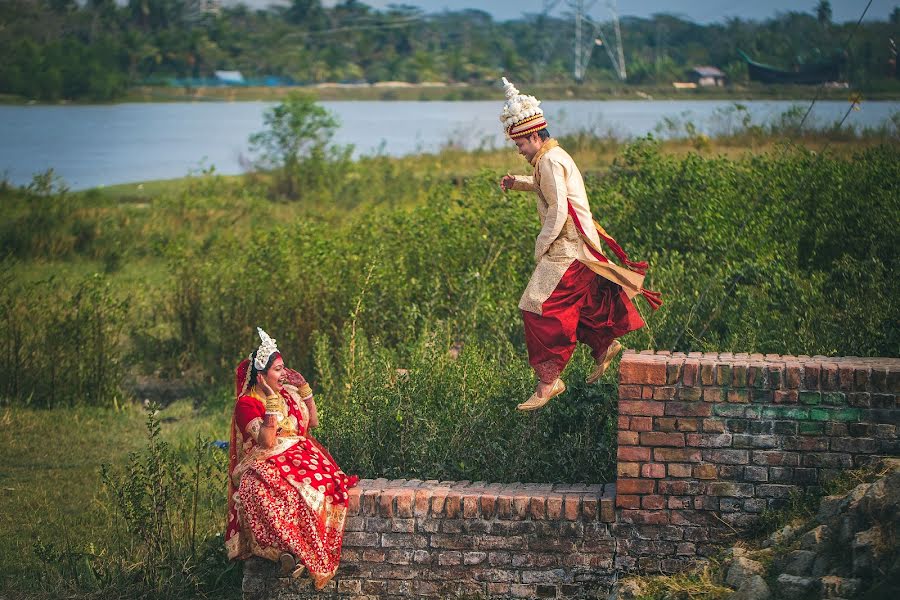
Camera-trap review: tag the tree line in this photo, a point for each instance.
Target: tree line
(95, 50)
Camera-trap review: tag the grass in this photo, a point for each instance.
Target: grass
(50, 480)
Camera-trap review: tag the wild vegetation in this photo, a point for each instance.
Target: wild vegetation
(96, 50)
(392, 284)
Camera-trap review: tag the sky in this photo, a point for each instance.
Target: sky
(700, 11)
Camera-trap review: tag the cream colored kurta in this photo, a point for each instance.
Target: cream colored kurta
(558, 184)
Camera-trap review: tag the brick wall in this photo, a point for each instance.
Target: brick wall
(446, 539)
(708, 441)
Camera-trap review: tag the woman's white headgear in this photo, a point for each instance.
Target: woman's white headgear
(266, 349)
(521, 114)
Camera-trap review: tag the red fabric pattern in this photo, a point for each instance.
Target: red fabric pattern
(583, 308)
(294, 501)
(654, 299)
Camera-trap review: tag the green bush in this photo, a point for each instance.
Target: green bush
(62, 345)
(164, 538)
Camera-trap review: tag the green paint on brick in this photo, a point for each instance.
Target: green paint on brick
(834, 414)
(845, 414)
(810, 398)
(807, 428)
(820, 414)
(786, 412)
(834, 398)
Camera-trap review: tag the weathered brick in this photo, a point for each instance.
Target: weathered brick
(706, 472)
(679, 488)
(641, 423)
(723, 375)
(538, 508)
(690, 394)
(781, 474)
(855, 445)
(756, 474)
(626, 501)
(785, 397)
(647, 408)
(680, 455)
(690, 372)
(653, 470)
(761, 427)
(673, 371)
(707, 374)
(730, 488)
(628, 438)
(713, 426)
(629, 392)
(644, 517)
(635, 486)
(808, 428)
(865, 400)
(665, 424)
(727, 457)
(755, 441)
(739, 396)
(685, 409)
(810, 398)
(714, 394)
(775, 457)
(628, 469)
(633, 453)
(572, 506)
(828, 377)
(654, 438)
(793, 376)
(811, 376)
(739, 375)
(827, 459)
(834, 398)
(663, 393)
(738, 425)
(624, 422)
(634, 369)
(708, 440)
(687, 424)
(678, 470)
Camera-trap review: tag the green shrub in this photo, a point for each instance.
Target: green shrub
(164, 538)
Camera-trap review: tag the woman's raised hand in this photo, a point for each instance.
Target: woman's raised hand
(261, 382)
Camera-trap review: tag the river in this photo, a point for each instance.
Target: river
(91, 146)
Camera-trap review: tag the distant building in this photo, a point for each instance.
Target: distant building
(707, 76)
(230, 77)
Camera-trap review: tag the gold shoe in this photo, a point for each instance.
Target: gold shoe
(614, 348)
(536, 402)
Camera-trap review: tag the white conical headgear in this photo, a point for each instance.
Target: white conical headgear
(266, 349)
(521, 114)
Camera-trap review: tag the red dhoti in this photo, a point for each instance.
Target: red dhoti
(583, 308)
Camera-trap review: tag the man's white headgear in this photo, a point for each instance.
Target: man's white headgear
(521, 114)
(266, 349)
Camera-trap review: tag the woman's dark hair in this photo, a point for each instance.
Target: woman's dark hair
(543, 134)
(254, 371)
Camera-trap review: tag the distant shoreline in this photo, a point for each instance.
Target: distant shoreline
(436, 92)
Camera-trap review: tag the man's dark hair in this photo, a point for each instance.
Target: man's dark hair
(544, 134)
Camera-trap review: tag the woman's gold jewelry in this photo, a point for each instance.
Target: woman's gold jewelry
(273, 404)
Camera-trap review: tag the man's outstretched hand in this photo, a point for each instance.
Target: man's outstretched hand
(506, 182)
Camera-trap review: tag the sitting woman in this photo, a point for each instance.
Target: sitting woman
(287, 497)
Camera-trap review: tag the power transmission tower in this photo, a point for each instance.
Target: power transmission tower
(547, 41)
(584, 44)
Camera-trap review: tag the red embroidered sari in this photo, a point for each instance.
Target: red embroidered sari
(288, 498)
